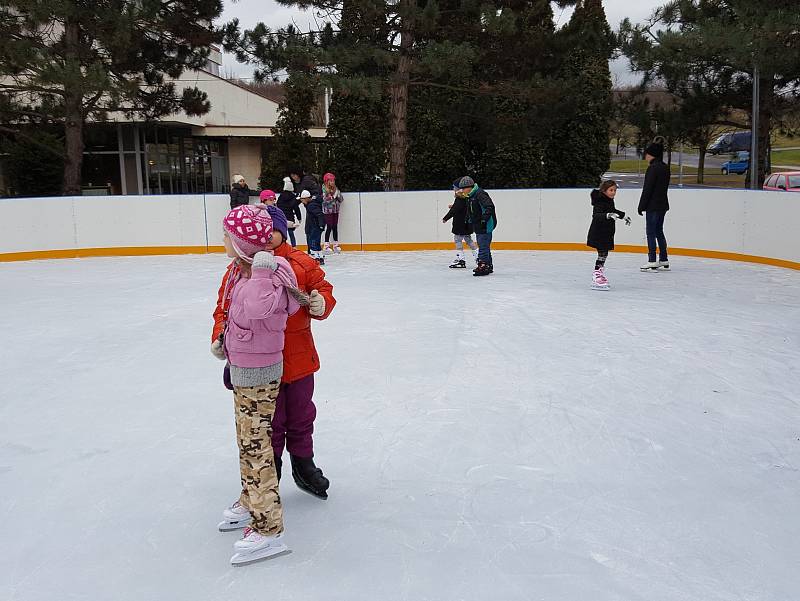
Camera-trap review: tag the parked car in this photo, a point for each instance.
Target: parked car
(739, 165)
(732, 142)
(783, 182)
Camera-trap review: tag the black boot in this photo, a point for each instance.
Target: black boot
(308, 476)
(483, 269)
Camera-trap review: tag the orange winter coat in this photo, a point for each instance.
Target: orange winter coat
(300, 357)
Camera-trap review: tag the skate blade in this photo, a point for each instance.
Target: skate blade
(245, 559)
(600, 287)
(231, 526)
(323, 495)
(648, 269)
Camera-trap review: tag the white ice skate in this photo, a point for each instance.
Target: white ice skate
(254, 547)
(336, 248)
(326, 248)
(649, 266)
(234, 517)
(663, 265)
(599, 281)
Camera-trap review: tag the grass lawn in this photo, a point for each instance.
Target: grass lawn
(713, 177)
(786, 157)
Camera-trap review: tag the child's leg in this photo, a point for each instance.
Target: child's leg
(459, 241)
(328, 230)
(255, 408)
(300, 415)
(473, 246)
(335, 226)
(292, 238)
(279, 423)
(602, 255)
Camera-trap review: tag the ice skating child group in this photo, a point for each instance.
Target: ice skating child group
(262, 328)
(473, 211)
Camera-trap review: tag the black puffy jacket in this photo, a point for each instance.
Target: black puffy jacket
(458, 213)
(656, 184)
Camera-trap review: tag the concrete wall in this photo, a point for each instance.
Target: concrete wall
(244, 156)
(743, 225)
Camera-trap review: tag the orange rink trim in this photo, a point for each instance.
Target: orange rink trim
(134, 251)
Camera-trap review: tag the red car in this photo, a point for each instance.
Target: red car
(783, 182)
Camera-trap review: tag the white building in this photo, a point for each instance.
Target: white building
(183, 154)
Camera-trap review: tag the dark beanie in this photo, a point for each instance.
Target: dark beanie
(465, 182)
(278, 221)
(655, 149)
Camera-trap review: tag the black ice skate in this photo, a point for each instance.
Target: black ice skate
(458, 264)
(308, 477)
(483, 269)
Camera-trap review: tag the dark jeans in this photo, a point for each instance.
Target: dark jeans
(314, 235)
(292, 239)
(484, 248)
(293, 422)
(655, 233)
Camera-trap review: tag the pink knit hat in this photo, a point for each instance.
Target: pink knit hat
(266, 195)
(249, 228)
(328, 177)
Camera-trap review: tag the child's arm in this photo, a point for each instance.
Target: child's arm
(315, 280)
(219, 310)
(263, 294)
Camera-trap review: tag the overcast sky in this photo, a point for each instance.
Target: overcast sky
(250, 12)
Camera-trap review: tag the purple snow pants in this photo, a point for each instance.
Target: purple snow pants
(293, 422)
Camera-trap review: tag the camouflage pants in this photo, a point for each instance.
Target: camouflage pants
(255, 407)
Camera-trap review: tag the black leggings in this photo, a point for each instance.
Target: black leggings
(602, 255)
(335, 230)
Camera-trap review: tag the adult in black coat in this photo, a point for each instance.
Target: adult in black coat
(240, 192)
(304, 181)
(655, 203)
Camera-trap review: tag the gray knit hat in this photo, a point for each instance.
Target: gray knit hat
(466, 182)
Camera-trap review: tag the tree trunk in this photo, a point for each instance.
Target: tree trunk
(73, 114)
(398, 107)
(767, 96)
(701, 164)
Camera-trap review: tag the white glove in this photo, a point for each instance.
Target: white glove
(265, 260)
(291, 225)
(612, 216)
(217, 350)
(316, 304)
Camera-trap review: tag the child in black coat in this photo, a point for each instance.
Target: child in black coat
(462, 231)
(602, 229)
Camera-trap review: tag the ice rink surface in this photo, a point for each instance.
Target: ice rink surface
(513, 437)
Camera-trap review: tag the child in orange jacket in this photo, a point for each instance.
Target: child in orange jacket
(293, 423)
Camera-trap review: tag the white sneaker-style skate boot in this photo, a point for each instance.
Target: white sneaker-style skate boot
(649, 266)
(599, 281)
(254, 547)
(326, 248)
(663, 265)
(336, 248)
(234, 517)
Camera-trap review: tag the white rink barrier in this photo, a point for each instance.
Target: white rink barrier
(743, 225)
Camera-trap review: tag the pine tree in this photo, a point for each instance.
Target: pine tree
(578, 151)
(686, 42)
(358, 131)
(68, 61)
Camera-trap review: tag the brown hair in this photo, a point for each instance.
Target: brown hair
(609, 183)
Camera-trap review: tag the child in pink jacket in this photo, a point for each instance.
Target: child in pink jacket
(261, 300)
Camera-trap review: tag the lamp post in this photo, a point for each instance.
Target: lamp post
(754, 131)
